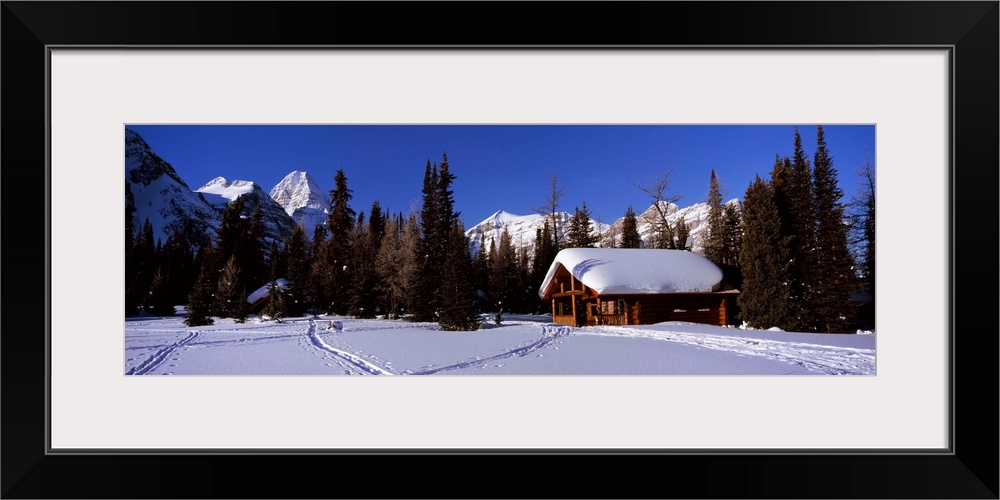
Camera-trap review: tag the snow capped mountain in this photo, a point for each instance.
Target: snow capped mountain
(219, 192)
(154, 191)
(695, 216)
(302, 200)
(522, 228)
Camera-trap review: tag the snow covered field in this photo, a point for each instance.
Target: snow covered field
(521, 345)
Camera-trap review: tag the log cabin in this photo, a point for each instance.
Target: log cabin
(626, 286)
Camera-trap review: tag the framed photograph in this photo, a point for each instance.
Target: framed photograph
(77, 75)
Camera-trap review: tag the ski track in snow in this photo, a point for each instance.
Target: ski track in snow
(549, 335)
(160, 356)
(357, 362)
(831, 360)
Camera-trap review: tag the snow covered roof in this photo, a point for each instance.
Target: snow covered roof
(637, 271)
(263, 291)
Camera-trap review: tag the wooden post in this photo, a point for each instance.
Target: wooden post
(573, 301)
(723, 317)
(553, 309)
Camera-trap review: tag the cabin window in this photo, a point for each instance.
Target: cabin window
(621, 306)
(703, 305)
(679, 306)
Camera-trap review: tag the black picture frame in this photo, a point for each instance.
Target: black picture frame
(969, 470)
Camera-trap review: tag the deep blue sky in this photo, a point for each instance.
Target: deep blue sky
(504, 166)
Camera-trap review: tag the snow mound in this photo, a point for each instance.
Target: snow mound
(637, 271)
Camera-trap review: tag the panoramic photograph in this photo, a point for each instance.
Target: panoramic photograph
(499, 249)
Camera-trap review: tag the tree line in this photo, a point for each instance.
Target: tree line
(794, 249)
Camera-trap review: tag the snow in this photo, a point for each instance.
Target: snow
(521, 345)
(219, 191)
(637, 271)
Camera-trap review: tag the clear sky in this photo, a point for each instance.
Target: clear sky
(505, 166)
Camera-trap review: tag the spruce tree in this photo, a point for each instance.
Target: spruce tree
(319, 273)
(227, 295)
(503, 273)
(832, 278)
(803, 219)
(682, 234)
(715, 244)
(389, 268)
(160, 301)
(732, 236)
(297, 273)
(764, 300)
(581, 233)
(427, 258)
(200, 300)
(630, 230)
(363, 301)
(339, 253)
(410, 260)
(458, 296)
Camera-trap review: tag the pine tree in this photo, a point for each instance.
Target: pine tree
(160, 301)
(199, 303)
(227, 295)
(319, 273)
(683, 235)
(764, 299)
(581, 233)
(832, 275)
(339, 253)
(630, 230)
(715, 245)
(363, 301)
(275, 306)
(732, 239)
(503, 273)
(424, 293)
(297, 273)
(411, 261)
(458, 297)
(389, 268)
(803, 222)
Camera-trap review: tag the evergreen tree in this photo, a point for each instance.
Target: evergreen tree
(389, 268)
(250, 251)
(319, 272)
(481, 272)
(411, 262)
(227, 295)
(275, 306)
(297, 273)
(832, 276)
(803, 222)
(160, 301)
(630, 230)
(732, 239)
(339, 252)
(241, 308)
(683, 235)
(458, 297)
(425, 288)
(503, 273)
(364, 296)
(200, 300)
(715, 245)
(581, 233)
(764, 300)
